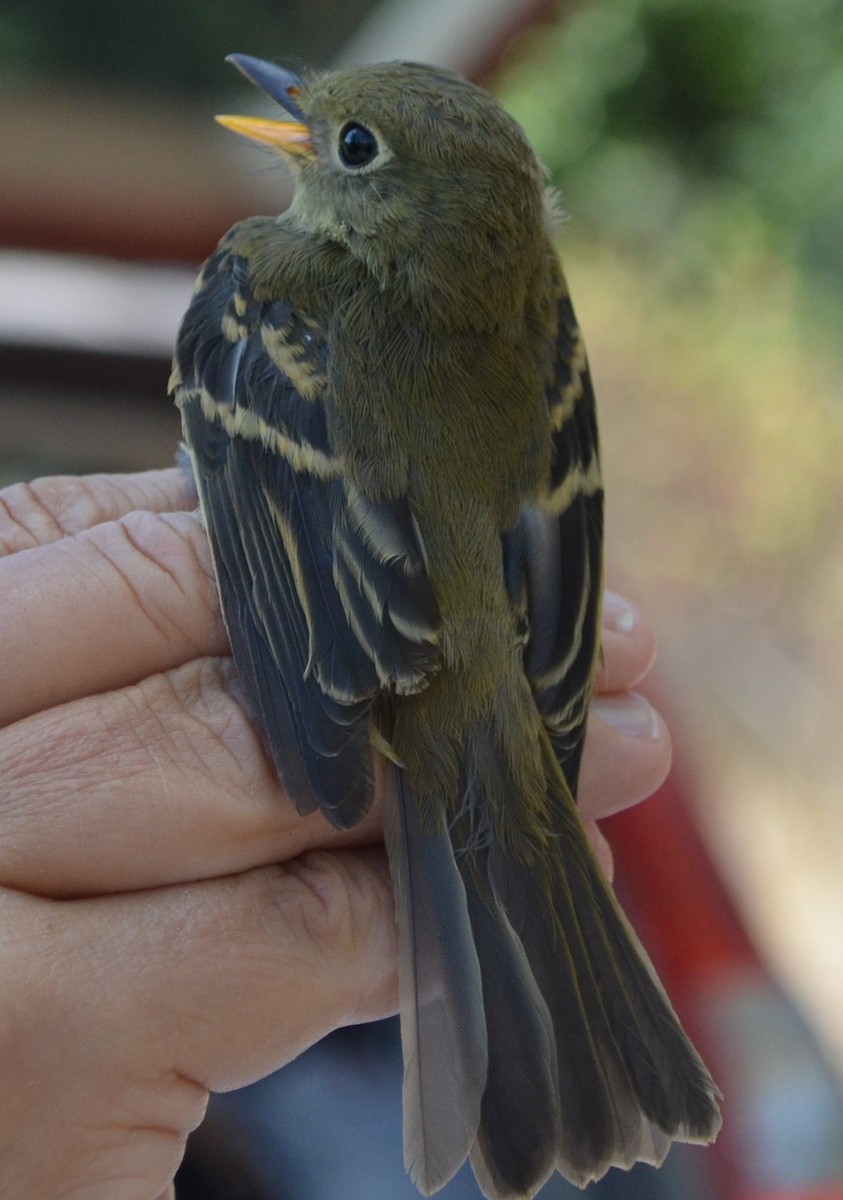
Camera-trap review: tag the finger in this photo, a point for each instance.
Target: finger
(156, 784)
(165, 995)
(104, 609)
(628, 643)
(48, 509)
(626, 757)
(311, 943)
(166, 782)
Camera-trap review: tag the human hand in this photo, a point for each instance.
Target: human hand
(151, 947)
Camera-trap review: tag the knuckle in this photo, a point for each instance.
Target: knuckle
(332, 903)
(164, 562)
(174, 543)
(28, 515)
(323, 900)
(217, 721)
(49, 508)
(185, 716)
(170, 541)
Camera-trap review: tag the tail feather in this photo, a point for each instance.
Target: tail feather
(519, 1114)
(594, 1123)
(630, 1080)
(443, 1026)
(536, 1033)
(667, 1078)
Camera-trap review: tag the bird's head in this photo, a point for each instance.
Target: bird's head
(422, 175)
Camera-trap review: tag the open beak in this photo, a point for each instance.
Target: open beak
(292, 135)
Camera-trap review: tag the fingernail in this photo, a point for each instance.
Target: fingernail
(630, 714)
(618, 613)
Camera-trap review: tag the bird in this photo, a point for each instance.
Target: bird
(388, 410)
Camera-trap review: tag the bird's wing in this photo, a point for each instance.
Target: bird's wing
(323, 590)
(553, 555)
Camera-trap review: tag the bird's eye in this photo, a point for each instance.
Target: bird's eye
(358, 145)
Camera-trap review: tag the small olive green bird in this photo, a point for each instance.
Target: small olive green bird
(388, 408)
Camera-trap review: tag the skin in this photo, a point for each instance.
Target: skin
(151, 875)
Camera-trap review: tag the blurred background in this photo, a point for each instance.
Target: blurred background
(698, 147)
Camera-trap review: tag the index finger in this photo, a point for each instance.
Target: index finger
(56, 506)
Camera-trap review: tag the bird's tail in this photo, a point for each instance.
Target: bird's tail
(536, 1034)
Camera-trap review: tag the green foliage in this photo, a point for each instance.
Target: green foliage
(695, 117)
(698, 145)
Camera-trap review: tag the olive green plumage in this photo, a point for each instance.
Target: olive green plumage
(388, 408)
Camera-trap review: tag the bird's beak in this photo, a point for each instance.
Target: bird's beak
(282, 86)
